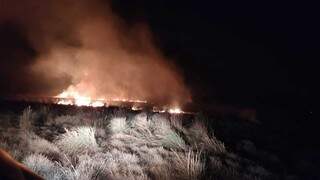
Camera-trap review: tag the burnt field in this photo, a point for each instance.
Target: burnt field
(71, 142)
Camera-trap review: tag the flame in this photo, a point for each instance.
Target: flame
(72, 96)
(65, 102)
(175, 110)
(136, 108)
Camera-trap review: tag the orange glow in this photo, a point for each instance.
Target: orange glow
(72, 96)
(65, 102)
(98, 104)
(158, 110)
(175, 110)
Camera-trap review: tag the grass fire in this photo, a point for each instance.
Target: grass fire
(157, 90)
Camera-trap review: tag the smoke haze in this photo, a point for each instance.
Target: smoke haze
(84, 45)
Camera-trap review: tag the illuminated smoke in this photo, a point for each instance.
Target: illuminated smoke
(84, 46)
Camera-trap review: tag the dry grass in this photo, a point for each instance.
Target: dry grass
(136, 146)
(188, 165)
(199, 135)
(42, 166)
(78, 140)
(26, 120)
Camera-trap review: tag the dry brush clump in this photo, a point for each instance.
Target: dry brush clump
(117, 146)
(26, 120)
(78, 140)
(42, 166)
(188, 165)
(201, 139)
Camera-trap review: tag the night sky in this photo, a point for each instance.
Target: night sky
(254, 54)
(231, 52)
(238, 52)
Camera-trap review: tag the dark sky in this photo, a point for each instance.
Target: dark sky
(238, 52)
(260, 54)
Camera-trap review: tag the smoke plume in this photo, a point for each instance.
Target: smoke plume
(82, 44)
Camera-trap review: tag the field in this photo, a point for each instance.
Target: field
(64, 142)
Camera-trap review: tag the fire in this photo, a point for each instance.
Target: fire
(136, 108)
(175, 110)
(72, 96)
(97, 104)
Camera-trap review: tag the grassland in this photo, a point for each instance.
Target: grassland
(121, 144)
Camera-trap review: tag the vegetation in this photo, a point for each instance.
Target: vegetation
(120, 145)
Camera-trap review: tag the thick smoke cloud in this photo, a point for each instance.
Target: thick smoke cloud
(84, 45)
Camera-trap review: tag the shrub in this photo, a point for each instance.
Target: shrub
(42, 146)
(26, 119)
(78, 140)
(167, 135)
(118, 124)
(91, 168)
(41, 166)
(120, 164)
(188, 165)
(155, 132)
(14, 145)
(157, 166)
(198, 136)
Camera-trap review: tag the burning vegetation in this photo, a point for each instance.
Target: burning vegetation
(118, 101)
(72, 97)
(87, 55)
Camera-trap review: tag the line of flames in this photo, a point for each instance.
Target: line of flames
(74, 98)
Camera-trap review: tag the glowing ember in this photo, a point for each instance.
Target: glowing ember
(129, 100)
(158, 110)
(97, 104)
(175, 111)
(136, 108)
(65, 102)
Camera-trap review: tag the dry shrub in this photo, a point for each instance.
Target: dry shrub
(199, 138)
(118, 124)
(188, 165)
(78, 140)
(42, 146)
(26, 120)
(41, 165)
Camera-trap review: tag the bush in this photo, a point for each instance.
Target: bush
(78, 140)
(122, 146)
(154, 132)
(41, 166)
(188, 165)
(198, 137)
(91, 168)
(42, 146)
(118, 124)
(26, 120)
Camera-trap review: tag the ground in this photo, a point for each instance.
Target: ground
(64, 142)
